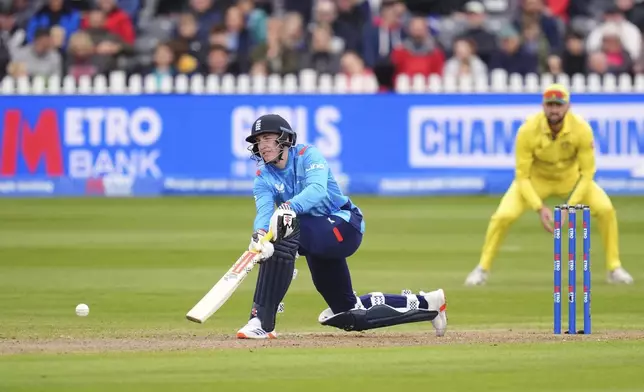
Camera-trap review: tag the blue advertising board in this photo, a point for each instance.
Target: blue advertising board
(375, 144)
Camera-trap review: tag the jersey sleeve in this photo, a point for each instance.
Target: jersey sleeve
(316, 172)
(587, 165)
(264, 204)
(524, 158)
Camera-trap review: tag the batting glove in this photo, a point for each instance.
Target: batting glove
(283, 224)
(263, 248)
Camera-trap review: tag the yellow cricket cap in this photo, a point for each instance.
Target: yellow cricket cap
(556, 93)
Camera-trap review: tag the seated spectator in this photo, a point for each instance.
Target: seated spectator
(349, 24)
(237, 35)
(162, 63)
(321, 56)
(293, 33)
(206, 14)
(219, 62)
(533, 12)
(11, 38)
(597, 63)
(475, 29)
(108, 46)
(418, 53)
(117, 21)
(512, 56)
(382, 35)
(324, 15)
(283, 48)
(55, 13)
(614, 21)
(574, 58)
(39, 58)
(537, 44)
(238, 40)
(81, 59)
(255, 20)
(189, 51)
(58, 38)
(217, 36)
(351, 65)
(617, 58)
(465, 61)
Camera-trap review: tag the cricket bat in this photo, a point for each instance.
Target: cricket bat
(226, 286)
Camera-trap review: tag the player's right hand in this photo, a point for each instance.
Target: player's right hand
(263, 248)
(546, 219)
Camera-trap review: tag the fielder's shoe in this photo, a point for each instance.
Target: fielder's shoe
(253, 330)
(619, 276)
(437, 301)
(477, 277)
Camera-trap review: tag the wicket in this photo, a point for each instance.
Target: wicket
(572, 268)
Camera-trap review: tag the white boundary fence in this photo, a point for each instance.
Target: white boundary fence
(309, 82)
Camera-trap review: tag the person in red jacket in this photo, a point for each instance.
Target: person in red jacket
(418, 54)
(117, 21)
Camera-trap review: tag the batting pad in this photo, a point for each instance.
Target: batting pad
(377, 316)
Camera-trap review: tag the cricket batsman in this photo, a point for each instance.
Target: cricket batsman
(554, 157)
(316, 220)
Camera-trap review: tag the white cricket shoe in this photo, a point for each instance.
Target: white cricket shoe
(253, 330)
(437, 301)
(477, 277)
(619, 276)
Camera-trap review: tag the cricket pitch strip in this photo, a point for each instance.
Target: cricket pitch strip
(150, 342)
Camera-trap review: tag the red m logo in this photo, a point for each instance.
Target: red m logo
(41, 143)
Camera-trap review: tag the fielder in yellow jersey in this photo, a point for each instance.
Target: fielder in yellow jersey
(554, 157)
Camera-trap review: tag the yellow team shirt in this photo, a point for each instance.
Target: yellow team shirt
(570, 154)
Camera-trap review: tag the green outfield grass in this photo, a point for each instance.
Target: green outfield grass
(140, 264)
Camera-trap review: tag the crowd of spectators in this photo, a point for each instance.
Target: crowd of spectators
(260, 37)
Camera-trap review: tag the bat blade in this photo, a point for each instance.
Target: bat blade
(225, 287)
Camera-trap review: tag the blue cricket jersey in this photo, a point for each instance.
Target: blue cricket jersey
(306, 183)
